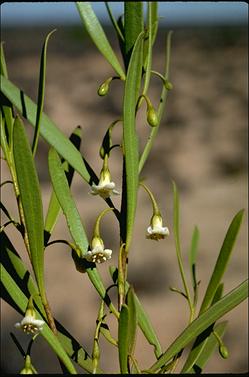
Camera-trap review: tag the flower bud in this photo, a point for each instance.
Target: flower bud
(168, 85)
(223, 351)
(103, 89)
(28, 368)
(152, 118)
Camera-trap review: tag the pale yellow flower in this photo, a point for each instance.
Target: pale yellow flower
(98, 254)
(156, 231)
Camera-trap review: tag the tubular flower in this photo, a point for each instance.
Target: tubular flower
(156, 231)
(105, 187)
(29, 323)
(98, 254)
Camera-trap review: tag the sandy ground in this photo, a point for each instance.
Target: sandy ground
(201, 145)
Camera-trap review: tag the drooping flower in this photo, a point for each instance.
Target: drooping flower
(105, 187)
(98, 253)
(29, 323)
(156, 230)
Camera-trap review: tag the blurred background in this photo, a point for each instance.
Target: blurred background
(202, 146)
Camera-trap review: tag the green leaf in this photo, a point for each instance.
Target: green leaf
(132, 325)
(15, 267)
(130, 138)
(6, 105)
(123, 338)
(48, 129)
(153, 9)
(98, 36)
(178, 247)
(114, 23)
(208, 349)
(30, 197)
(133, 26)
(63, 194)
(75, 226)
(222, 260)
(148, 42)
(41, 93)
(21, 300)
(216, 311)
(3, 66)
(54, 206)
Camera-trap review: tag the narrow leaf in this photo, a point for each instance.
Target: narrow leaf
(218, 310)
(132, 326)
(214, 289)
(54, 206)
(48, 129)
(148, 46)
(130, 138)
(30, 197)
(41, 93)
(123, 337)
(62, 191)
(114, 23)
(202, 339)
(6, 105)
(154, 18)
(133, 26)
(222, 260)
(98, 36)
(3, 66)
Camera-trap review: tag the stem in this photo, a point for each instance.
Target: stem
(153, 201)
(161, 107)
(121, 276)
(178, 252)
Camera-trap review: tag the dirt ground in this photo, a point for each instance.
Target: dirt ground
(201, 145)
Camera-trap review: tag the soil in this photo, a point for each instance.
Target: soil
(201, 145)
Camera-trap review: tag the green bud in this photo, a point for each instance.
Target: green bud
(102, 152)
(152, 118)
(223, 351)
(28, 368)
(103, 89)
(168, 85)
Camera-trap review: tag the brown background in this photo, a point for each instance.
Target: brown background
(201, 145)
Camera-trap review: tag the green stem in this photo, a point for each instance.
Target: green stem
(178, 252)
(153, 201)
(114, 22)
(161, 107)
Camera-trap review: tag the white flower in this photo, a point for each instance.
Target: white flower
(98, 254)
(105, 187)
(30, 325)
(156, 231)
